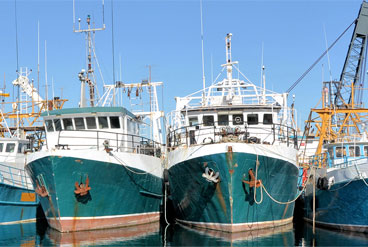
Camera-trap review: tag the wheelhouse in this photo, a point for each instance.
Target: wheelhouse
(96, 127)
(339, 153)
(255, 124)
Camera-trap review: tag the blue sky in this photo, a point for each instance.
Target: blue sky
(166, 35)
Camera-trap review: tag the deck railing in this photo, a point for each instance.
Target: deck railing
(100, 140)
(325, 160)
(215, 133)
(15, 177)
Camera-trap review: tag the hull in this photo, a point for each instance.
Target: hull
(344, 205)
(232, 205)
(17, 204)
(122, 193)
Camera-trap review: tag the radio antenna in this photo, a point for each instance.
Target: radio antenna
(89, 77)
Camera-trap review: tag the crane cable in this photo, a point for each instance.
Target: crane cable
(323, 54)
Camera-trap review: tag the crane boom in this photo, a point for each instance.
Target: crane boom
(23, 82)
(353, 71)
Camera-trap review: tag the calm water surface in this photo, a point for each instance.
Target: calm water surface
(297, 234)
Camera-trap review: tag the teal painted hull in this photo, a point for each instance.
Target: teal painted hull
(119, 196)
(231, 205)
(344, 206)
(16, 205)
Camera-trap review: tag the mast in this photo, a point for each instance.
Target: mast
(229, 65)
(87, 76)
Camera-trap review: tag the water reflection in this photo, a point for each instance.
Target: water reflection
(326, 237)
(18, 235)
(185, 236)
(299, 234)
(141, 235)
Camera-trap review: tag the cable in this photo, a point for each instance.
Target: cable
(323, 54)
(112, 40)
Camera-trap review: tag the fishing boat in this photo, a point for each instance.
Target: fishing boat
(20, 134)
(232, 156)
(96, 171)
(18, 202)
(341, 186)
(337, 178)
(101, 164)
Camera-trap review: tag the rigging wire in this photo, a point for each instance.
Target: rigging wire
(16, 43)
(323, 54)
(203, 75)
(112, 40)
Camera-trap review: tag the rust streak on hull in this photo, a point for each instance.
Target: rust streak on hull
(221, 199)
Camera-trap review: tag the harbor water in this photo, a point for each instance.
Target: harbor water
(297, 234)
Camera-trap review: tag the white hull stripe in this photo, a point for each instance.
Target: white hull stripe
(103, 217)
(18, 221)
(276, 222)
(182, 154)
(148, 164)
(338, 225)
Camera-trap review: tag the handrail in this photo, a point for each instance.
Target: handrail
(118, 142)
(249, 133)
(324, 160)
(14, 176)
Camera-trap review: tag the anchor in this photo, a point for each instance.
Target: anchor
(253, 182)
(41, 190)
(211, 176)
(82, 189)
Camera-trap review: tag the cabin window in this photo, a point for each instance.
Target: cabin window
(238, 119)
(267, 119)
(68, 124)
(354, 151)
(102, 123)
(252, 119)
(79, 123)
(91, 123)
(340, 152)
(208, 120)
(193, 121)
(10, 148)
(223, 120)
(365, 150)
(1, 147)
(114, 123)
(57, 123)
(49, 126)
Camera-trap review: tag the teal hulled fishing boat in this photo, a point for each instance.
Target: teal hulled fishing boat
(232, 157)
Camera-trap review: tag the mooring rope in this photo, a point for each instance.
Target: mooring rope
(269, 195)
(255, 183)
